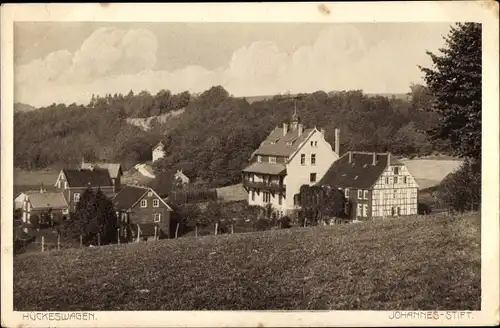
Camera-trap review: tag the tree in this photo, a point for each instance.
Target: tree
(455, 84)
(94, 218)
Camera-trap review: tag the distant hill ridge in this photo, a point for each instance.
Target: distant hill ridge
(20, 107)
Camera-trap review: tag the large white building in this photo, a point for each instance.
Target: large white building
(288, 158)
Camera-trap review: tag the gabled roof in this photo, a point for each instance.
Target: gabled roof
(180, 175)
(360, 172)
(131, 195)
(45, 200)
(87, 178)
(158, 145)
(277, 144)
(266, 168)
(114, 169)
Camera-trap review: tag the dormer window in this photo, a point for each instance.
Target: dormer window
(259, 159)
(396, 170)
(272, 160)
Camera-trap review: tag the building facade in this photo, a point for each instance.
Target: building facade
(377, 185)
(142, 213)
(73, 182)
(158, 151)
(37, 203)
(288, 158)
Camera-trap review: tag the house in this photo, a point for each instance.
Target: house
(376, 184)
(36, 203)
(288, 158)
(142, 213)
(73, 182)
(158, 151)
(179, 176)
(115, 171)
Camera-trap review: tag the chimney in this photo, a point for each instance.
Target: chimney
(300, 129)
(388, 159)
(350, 157)
(285, 129)
(374, 162)
(337, 141)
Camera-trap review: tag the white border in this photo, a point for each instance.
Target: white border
(485, 12)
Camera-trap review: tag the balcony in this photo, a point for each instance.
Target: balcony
(271, 186)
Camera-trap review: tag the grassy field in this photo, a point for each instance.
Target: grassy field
(401, 264)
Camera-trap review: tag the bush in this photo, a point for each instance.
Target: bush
(461, 191)
(285, 222)
(423, 208)
(261, 224)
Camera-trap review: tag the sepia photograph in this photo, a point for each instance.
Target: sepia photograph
(302, 166)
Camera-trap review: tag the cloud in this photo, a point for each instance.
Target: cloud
(113, 60)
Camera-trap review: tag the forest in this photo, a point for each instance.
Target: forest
(214, 137)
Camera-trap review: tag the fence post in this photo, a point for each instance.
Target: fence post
(176, 230)
(138, 233)
(43, 243)
(58, 241)
(81, 240)
(99, 239)
(305, 221)
(156, 229)
(232, 228)
(118, 235)
(196, 230)
(216, 227)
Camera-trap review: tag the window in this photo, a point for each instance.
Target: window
(156, 203)
(259, 159)
(76, 197)
(365, 210)
(313, 159)
(253, 195)
(150, 194)
(272, 160)
(395, 180)
(346, 193)
(312, 177)
(280, 199)
(157, 217)
(266, 197)
(404, 180)
(312, 143)
(386, 180)
(302, 159)
(359, 210)
(360, 194)
(365, 194)
(65, 211)
(396, 170)
(144, 203)
(399, 211)
(315, 144)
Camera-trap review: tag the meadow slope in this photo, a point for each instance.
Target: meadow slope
(405, 264)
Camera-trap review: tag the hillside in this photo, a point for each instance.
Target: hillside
(20, 107)
(148, 122)
(431, 263)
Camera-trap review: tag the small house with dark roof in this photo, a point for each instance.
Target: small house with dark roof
(73, 182)
(376, 184)
(115, 171)
(142, 213)
(290, 156)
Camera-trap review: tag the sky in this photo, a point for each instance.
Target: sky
(66, 62)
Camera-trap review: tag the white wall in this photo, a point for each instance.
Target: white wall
(403, 195)
(158, 153)
(298, 175)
